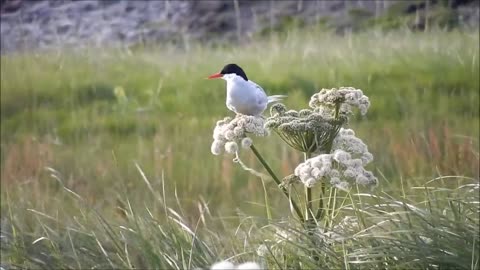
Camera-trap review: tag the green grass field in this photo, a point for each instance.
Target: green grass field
(106, 162)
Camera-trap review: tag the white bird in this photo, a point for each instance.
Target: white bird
(243, 95)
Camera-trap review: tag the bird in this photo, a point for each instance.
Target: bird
(244, 96)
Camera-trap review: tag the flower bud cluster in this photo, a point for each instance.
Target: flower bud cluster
(347, 141)
(305, 130)
(346, 97)
(229, 133)
(345, 165)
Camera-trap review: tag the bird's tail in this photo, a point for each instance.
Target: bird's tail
(275, 98)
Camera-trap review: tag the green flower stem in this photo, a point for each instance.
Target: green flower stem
(323, 210)
(278, 182)
(337, 110)
(328, 210)
(320, 212)
(308, 197)
(310, 221)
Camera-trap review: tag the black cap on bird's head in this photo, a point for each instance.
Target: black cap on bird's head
(230, 69)
(234, 69)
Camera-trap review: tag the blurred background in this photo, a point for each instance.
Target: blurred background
(49, 23)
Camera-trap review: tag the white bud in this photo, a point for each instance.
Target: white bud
(343, 185)
(367, 157)
(362, 180)
(349, 173)
(334, 173)
(216, 147)
(246, 142)
(229, 135)
(305, 170)
(298, 168)
(324, 171)
(341, 156)
(335, 181)
(238, 132)
(231, 147)
(355, 163)
(310, 182)
(316, 173)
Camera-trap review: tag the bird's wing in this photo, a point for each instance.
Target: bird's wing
(257, 86)
(275, 98)
(270, 99)
(261, 96)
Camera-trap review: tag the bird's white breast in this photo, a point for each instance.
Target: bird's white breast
(245, 97)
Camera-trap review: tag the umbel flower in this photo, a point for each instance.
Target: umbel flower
(342, 167)
(313, 130)
(338, 156)
(229, 133)
(306, 130)
(342, 99)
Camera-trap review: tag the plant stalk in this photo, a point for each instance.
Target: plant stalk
(308, 197)
(278, 182)
(310, 219)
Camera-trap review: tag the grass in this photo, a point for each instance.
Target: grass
(91, 178)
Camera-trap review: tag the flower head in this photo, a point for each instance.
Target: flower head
(344, 165)
(306, 130)
(312, 130)
(347, 142)
(229, 133)
(343, 98)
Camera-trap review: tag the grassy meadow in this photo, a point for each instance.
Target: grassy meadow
(106, 162)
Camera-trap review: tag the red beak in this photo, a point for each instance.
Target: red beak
(216, 75)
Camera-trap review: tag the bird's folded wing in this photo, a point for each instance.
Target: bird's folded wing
(275, 98)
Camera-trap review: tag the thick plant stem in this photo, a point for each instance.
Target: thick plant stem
(308, 198)
(309, 217)
(278, 182)
(320, 212)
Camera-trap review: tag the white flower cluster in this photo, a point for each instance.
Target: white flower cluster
(226, 265)
(346, 141)
(348, 97)
(305, 130)
(344, 165)
(229, 132)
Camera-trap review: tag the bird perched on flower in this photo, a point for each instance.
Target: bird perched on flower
(244, 96)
